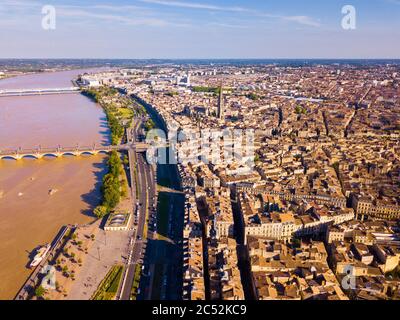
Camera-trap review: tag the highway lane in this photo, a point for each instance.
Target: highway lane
(168, 254)
(173, 270)
(164, 260)
(164, 256)
(136, 246)
(147, 190)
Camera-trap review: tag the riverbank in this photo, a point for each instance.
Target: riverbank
(114, 187)
(4, 77)
(120, 113)
(66, 262)
(117, 109)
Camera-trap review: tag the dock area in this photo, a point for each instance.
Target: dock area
(27, 290)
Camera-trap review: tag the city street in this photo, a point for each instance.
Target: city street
(146, 189)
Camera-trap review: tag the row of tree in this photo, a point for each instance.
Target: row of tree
(92, 94)
(111, 188)
(214, 90)
(117, 130)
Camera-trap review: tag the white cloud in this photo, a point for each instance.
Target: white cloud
(144, 16)
(304, 20)
(18, 3)
(16, 11)
(227, 25)
(82, 13)
(192, 5)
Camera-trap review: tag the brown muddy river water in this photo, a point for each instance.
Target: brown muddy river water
(29, 215)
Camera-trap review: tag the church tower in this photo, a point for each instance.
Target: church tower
(221, 107)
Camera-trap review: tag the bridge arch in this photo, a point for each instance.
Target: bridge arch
(9, 157)
(103, 151)
(91, 153)
(69, 153)
(29, 156)
(49, 154)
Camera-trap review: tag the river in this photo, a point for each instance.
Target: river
(29, 215)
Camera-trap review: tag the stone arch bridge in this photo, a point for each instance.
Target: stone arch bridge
(59, 151)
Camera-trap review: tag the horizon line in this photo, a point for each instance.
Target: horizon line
(172, 59)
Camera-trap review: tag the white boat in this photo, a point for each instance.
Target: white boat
(41, 253)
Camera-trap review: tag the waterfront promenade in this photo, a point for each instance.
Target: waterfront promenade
(33, 280)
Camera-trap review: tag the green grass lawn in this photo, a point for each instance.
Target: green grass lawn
(125, 113)
(136, 282)
(109, 286)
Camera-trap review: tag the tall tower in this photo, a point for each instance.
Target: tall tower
(221, 107)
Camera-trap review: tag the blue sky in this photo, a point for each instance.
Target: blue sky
(200, 29)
